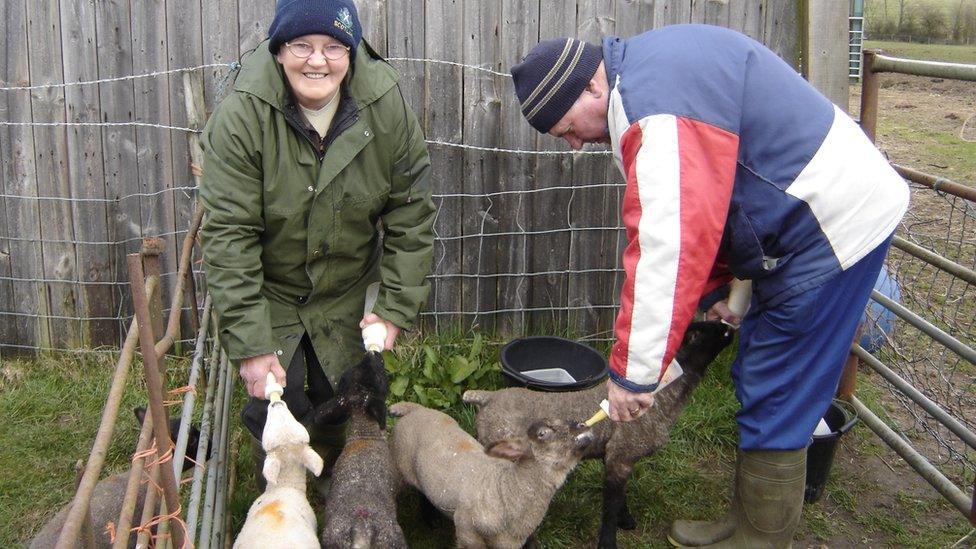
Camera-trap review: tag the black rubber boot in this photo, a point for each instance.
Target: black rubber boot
(257, 463)
(770, 488)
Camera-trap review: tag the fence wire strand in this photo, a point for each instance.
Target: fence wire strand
(507, 220)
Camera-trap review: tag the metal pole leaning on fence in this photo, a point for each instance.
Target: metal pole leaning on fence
(916, 396)
(938, 184)
(155, 387)
(915, 459)
(925, 326)
(103, 437)
(189, 401)
(206, 424)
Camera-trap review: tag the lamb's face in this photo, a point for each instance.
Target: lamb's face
(558, 443)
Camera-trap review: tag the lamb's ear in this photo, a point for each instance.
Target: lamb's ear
(140, 412)
(312, 461)
(507, 449)
(478, 398)
(272, 466)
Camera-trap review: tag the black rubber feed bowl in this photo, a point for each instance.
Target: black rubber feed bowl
(552, 364)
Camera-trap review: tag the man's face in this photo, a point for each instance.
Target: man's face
(586, 120)
(315, 79)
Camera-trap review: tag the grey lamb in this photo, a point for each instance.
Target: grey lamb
(360, 511)
(496, 498)
(501, 414)
(106, 500)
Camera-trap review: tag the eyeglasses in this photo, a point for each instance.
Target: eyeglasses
(304, 50)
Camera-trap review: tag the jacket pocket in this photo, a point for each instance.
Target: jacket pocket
(746, 259)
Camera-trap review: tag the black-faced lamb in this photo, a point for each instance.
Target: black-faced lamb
(494, 501)
(504, 413)
(360, 511)
(105, 505)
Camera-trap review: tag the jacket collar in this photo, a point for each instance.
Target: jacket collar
(613, 56)
(261, 76)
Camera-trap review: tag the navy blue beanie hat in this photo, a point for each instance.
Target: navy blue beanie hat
(336, 18)
(552, 77)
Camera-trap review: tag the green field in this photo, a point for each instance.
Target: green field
(930, 52)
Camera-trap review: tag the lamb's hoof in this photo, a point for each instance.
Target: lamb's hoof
(607, 542)
(626, 521)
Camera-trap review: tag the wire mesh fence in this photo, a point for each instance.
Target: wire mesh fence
(946, 225)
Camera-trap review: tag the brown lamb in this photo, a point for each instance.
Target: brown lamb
(494, 501)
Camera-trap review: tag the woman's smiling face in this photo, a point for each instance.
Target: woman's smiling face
(314, 79)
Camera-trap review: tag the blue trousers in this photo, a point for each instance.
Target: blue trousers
(791, 357)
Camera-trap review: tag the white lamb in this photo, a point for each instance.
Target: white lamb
(282, 516)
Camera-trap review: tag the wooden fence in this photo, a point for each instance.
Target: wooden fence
(76, 197)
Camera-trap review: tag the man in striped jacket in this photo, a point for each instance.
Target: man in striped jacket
(734, 166)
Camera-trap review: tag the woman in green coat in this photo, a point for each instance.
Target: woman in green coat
(316, 185)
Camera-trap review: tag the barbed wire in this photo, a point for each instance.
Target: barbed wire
(449, 63)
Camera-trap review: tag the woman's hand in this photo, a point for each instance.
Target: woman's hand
(626, 405)
(392, 330)
(254, 372)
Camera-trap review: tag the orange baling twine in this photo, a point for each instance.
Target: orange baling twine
(165, 457)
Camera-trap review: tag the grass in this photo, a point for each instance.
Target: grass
(931, 52)
(52, 405)
(51, 408)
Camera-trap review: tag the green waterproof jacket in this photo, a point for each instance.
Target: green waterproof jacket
(297, 227)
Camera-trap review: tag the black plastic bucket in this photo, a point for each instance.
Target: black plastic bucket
(552, 364)
(840, 418)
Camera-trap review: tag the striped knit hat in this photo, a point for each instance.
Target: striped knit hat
(552, 77)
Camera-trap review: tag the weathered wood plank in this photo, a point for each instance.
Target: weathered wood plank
(154, 155)
(593, 207)
(627, 17)
(218, 22)
(120, 169)
(50, 156)
(255, 17)
(546, 210)
(85, 173)
(482, 107)
(183, 24)
(826, 52)
(19, 179)
(780, 27)
(710, 12)
(405, 39)
(442, 121)
(519, 34)
(745, 16)
(672, 12)
(372, 15)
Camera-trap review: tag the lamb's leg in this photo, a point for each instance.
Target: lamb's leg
(428, 512)
(468, 538)
(616, 474)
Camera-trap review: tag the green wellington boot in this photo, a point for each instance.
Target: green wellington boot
(695, 533)
(327, 441)
(770, 499)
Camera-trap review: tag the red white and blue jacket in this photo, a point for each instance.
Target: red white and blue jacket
(735, 165)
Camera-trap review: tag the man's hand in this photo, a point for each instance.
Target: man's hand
(625, 405)
(720, 311)
(254, 372)
(392, 330)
